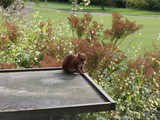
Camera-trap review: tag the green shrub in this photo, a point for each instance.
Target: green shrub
(117, 3)
(153, 5)
(138, 3)
(146, 4)
(120, 3)
(138, 87)
(26, 41)
(6, 3)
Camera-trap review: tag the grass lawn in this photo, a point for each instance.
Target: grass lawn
(146, 36)
(94, 8)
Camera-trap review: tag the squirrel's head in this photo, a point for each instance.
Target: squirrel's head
(82, 58)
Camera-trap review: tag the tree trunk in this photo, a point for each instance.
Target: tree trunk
(45, 2)
(102, 4)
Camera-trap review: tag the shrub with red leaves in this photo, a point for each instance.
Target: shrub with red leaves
(120, 28)
(91, 30)
(94, 31)
(7, 66)
(48, 25)
(148, 66)
(3, 42)
(136, 87)
(12, 31)
(99, 56)
(49, 61)
(79, 25)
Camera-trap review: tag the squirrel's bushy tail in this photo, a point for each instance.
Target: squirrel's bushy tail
(65, 64)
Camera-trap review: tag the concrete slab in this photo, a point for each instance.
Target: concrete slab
(44, 89)
(44, 93)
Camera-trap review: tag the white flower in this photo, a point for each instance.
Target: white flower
(0, 9)
(158, 38)
(37, 13)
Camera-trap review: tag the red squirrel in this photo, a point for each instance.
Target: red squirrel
(74, 63)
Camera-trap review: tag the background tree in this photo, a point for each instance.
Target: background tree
(102, 3)
(6, 3)
(145, 4)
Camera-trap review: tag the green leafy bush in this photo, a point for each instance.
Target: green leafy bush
(26, 41)
(153, 5)
(22, 35)
(103, 3)
(137, 87)
(140, 4)
(146, 4)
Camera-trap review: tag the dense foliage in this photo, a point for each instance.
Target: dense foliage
(27, 41)
(140, 4)
(6, 3)
(145, 4)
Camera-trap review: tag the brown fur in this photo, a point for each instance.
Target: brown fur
(74, 63)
